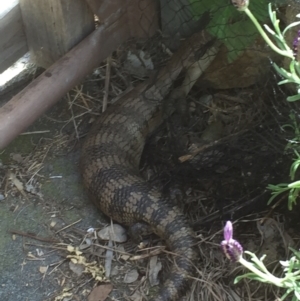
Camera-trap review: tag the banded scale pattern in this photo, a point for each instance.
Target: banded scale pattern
(110, 161)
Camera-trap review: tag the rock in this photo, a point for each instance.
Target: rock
(249, 68)
(115, 233)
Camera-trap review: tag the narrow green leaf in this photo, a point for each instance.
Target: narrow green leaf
(293, 98)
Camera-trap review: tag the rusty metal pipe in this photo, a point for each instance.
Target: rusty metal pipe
(25, 107)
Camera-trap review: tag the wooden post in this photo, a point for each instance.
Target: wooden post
(53, 27)
(12, 37)
(142, 15)
(57, 80)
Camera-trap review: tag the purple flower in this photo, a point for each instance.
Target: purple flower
(231, 248)
(295, 45)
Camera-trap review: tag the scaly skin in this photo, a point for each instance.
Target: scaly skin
(110, 166)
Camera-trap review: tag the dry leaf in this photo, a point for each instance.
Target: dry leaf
(100, 293)
(63, 295)
(78, 269)
(85, 244)
(108, 259)
(30, 188)
(17, 183)
(155, 267)
(43, 270)
(17, 158)
(122, 250)
(39, 252)
(31, 256)
(115, 233)
(52, 224)
(131, 276)
(124, 257)
(63, 282)
(93, 268)
(138, 64)
(70, 248)
(137, 296)
(114, 271)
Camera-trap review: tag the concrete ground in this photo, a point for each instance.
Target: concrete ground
(26, 219)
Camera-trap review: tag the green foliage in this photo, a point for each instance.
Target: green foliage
(289, 282)
(293, 143)
(229, 25)
(293, 189)
(291, 268)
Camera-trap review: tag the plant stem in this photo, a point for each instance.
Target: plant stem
(270, 278)
(266, 38)
(295, 184)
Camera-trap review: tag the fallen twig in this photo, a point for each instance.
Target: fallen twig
(33, 236)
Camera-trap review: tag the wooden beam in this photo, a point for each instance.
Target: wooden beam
(25, 107)
(53, 27)
(13, 40)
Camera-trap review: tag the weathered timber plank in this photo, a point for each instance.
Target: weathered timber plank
(12, 37)
(142, 15)
(57, 80)
(53, 27)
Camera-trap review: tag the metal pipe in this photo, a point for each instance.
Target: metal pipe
(25, 107)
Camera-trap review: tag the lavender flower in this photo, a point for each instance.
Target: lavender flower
(233, 251)
(295, 45)
(231, 248)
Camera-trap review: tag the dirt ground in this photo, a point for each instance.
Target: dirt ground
(45, 214)
(58, 201)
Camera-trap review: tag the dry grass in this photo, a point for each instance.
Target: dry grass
(210, 194)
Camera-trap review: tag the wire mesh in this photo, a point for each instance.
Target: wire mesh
(225, 142)
(233, 115)
(223, 137)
